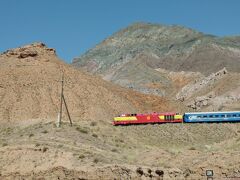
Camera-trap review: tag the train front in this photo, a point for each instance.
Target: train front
(149, 118)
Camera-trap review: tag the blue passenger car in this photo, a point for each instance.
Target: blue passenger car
(230, 116)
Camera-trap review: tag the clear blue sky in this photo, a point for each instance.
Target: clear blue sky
(74, 26)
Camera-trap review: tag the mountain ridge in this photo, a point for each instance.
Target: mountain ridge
(168, 43)
(132, 56)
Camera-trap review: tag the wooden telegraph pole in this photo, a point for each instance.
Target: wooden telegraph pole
(62, 100)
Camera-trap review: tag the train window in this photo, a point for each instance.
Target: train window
(204, 116)
(222, 115)
(234, 115)
(211, 116)
(169, 117)
(216, 116)
(228, 115)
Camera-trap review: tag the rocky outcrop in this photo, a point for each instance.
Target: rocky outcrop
(194, 87)
(26, 54)
(214, 102)
(28, 51)
(201, 101)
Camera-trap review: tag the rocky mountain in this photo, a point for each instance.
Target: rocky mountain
(173, 48)
(30, 89)
(161, 60)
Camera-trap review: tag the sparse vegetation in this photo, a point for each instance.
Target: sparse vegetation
(60, 145)
(93, 123)
(82, 156)
(8, 131)
(117, 148)
(95, 160)
(114, 150)
(119, 140)
(94, 135)
(192, 148)
(44, 149)
(45, 132)
(4, 144)
(82, 130)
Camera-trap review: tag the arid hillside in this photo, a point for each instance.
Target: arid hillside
(30, 89)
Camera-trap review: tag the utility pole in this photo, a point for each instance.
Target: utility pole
(62, 100)
(67, 110)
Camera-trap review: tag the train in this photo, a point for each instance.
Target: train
(173, 117)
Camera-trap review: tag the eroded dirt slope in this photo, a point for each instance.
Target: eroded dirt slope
(30, 88)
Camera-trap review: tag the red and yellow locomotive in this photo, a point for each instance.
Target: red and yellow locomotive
(167, 117)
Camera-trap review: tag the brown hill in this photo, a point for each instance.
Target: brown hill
(30, 87)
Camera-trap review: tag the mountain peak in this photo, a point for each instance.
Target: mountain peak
(131, 56)
(151, 29)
